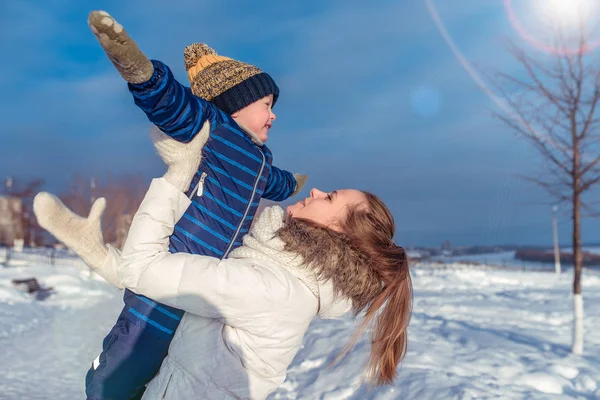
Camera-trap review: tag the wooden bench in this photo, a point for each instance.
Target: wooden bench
(32, 286)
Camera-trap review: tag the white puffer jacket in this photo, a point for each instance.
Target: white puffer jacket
(246, 316)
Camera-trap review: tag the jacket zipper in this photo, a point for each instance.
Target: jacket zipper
(199, 187)
(167, 387)
(201, 184)
(248, 207)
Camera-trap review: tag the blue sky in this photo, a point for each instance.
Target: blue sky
(371, 98)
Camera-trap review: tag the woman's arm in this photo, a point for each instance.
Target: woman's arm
(108, 269)
(234, 290)
(148, 237)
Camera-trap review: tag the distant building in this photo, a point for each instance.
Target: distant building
(11, 223)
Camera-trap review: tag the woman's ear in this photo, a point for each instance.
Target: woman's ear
(335, 225)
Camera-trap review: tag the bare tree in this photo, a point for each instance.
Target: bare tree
(554, 107)
(123, 196)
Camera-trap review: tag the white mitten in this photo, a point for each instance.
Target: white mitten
(82, 235)
(182, 159)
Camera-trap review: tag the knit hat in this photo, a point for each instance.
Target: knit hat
(230, 84)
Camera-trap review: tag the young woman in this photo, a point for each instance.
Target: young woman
(246, 315)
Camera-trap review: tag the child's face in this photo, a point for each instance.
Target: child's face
(258, 117)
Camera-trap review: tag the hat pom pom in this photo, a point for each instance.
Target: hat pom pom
(194, 52)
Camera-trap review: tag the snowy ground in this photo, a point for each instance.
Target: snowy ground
(475, 333)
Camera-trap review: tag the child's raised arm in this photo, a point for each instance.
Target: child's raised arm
(167, 103)
(171, 106)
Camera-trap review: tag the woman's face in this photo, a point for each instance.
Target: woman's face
(327, 209)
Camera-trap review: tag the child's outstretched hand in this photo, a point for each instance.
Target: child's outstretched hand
(300, 182)
(132, 64)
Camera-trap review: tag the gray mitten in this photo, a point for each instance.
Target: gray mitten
(132, 64)
(182, 159)
(300, 182)
(82, 235)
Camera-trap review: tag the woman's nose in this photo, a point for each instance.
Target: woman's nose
(317, 194)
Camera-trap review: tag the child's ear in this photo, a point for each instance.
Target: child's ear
(235, 114)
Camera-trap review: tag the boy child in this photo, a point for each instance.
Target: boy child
(230, 102)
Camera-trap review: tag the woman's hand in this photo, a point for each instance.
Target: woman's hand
(182, 159)
(132, 64)
(82, 235)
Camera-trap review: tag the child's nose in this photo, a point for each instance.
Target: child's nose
(273, 116)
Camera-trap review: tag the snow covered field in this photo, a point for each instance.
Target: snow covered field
(475, 333)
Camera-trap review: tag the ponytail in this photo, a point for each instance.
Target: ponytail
(389, 309)
(389, 340)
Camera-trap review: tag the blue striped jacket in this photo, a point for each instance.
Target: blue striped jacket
(234, 174)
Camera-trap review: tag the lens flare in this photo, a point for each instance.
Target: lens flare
(561, 27)
(478, 79)
(508, 188)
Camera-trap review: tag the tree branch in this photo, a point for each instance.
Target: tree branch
(531, 135)
(592, 111)
(550, 187)
(587, 184)
(539, 87)
(591, 212)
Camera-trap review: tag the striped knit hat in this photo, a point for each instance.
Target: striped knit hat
(230, 84)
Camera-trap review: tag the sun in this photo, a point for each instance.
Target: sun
(557, 26)
(565, 14)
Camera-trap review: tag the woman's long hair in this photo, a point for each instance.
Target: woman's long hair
(365, 265)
